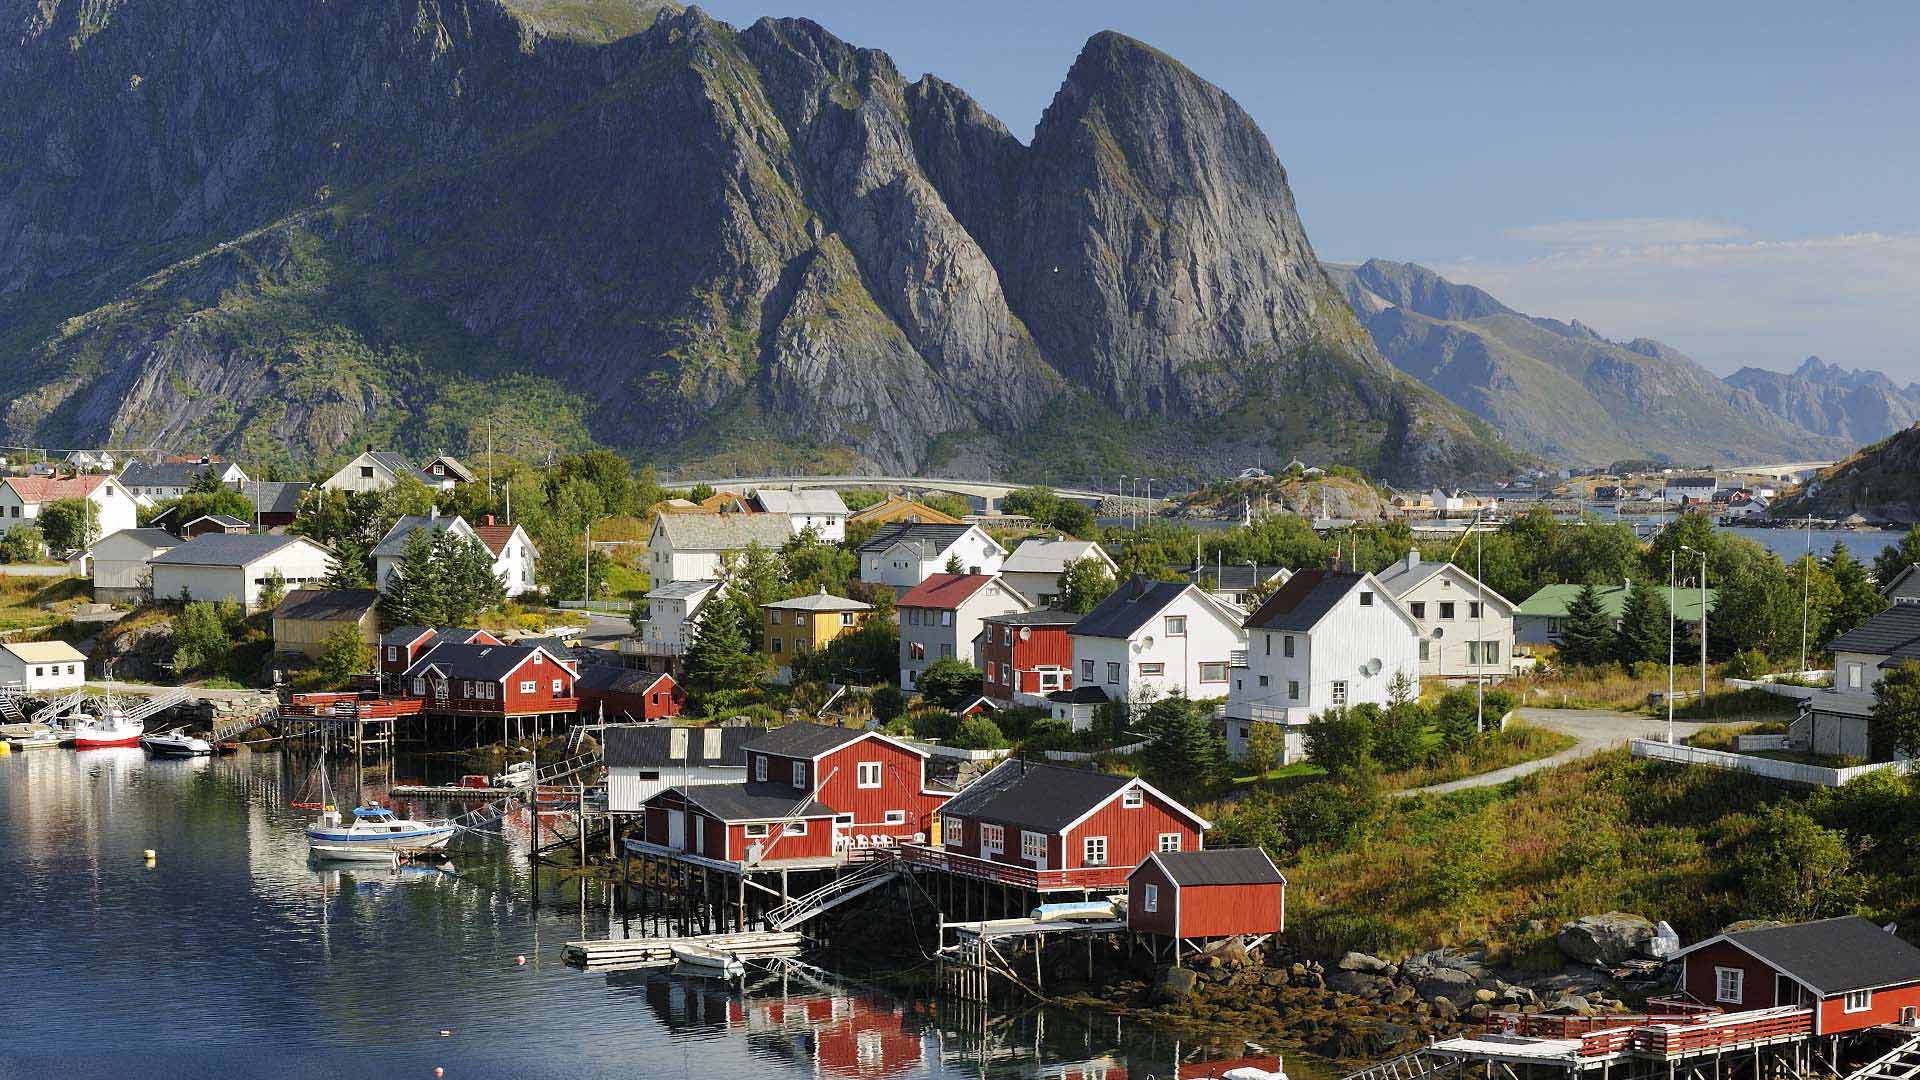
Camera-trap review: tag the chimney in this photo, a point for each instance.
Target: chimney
(1413, 558)
(487, 520)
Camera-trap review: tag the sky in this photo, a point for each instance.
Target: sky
(1738, 180)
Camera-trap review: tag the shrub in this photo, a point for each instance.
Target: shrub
(1048, 734)
(1746, 664)
(978, 733)
(888, 704)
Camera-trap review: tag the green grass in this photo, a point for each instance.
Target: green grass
(36, 601)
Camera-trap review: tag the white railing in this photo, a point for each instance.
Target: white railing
(1089, 755)
(1745, 743)
(1792, 772)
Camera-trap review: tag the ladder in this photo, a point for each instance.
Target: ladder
(234, 725)
(10, 707)
(155, 705)
(58, 708)
(1421, 1064)
(1900, 1063)
(869, 877)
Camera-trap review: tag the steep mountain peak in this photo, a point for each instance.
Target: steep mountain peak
(1420, 290)
(594, 21)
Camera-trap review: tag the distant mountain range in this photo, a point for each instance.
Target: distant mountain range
(1560, 390)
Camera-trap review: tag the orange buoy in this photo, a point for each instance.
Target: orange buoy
(438, 1071)
(519, 961)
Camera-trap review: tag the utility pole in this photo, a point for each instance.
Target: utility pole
(1806, 579)
(1673, 570)
(586, 598)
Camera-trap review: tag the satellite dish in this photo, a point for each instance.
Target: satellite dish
(1146, 643)
(1439, 632)
(1026, 632)
(1373, 666)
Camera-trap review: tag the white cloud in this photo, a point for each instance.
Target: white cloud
(1714, 293)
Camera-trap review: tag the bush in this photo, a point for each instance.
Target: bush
(978, 733)
(889, 704)
(949, 683)
(22, 544)
(1746, 664)
(932, 724)
(1340, 740)
(1048, 734)
(200, 640)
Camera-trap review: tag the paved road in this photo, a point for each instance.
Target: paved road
(1596, 730)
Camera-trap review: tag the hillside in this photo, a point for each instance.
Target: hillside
(1858, 406)
(278, 231)
(1880, 482)
(1558, 389)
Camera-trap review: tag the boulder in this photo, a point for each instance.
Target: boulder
(1571, 1004)
(1177, 984)
(1605, 939)
(1484, 996)
(1444, 1010)
(1479, 1011)
(1456, 986)
(1359, 961)
(1358, 983)
(1402, 995)
(1275, 977)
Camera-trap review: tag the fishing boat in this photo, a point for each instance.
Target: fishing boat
(699, 960)
(112, 728)
(175, 743)
(374, 834)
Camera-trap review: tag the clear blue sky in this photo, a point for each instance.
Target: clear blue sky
(1737, 179)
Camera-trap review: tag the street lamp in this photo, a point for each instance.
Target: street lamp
(1480, 634)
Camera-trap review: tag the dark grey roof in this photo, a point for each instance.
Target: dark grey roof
(1042, 617)
(1221, 866)
(732, 802)
(158, 538)
(1034, 795)
(804, 740)
(1835, 956)
(650, 746)
(1231, 578)
(395, 463)
(1079, 695)
(724, 532)
(932, 538)
(224, 549)
(488, 662)
(402, 635)
(1304, 600)
(681, 590)
(223, 520)
(1894, 632)
(166, 473)
(394, 543)
(1400, 578)
(277, 497)
(327, 605)
(1130, 607)
(554, 645)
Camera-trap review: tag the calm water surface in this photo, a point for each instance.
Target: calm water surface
(232, 957)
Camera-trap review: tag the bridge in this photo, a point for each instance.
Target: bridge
(988, 492)
(1786, 470)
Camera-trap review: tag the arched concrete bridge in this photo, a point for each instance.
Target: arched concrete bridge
(988, 492)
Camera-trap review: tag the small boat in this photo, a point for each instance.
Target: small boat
(374, 835)
(45, 740)
(709, 963)
(175, 743)
(113, 729)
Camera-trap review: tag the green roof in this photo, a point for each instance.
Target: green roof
(1551, 601)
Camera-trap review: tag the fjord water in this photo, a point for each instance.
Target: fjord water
(230, 956)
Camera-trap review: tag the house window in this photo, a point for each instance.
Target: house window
(799, 774)
(797, 828)
(366, 472)
(773, 643)
(557, 685)
(1049, 680)
(774, 616)
(1858, 1001)
(1132, 799)
(1149, 897)
(1473, 652)
(1473, 609)
(894, 817)
(528, 686)
(993, 839)
(946, 651)
(1113, 672)
(867, 774)
(760, 768)
(916, 651)
(1213, 672)
(846, 618)
(1729, 985)
(756, 832)
(1853, 676)
(1006, 635)
(1286, 645)
(1169, 841)
(1086, 671)
(1366, 599)
(1425, 651)
(1269, 643)
(1263, 680)
(1293, 689)
(1446, 609)
(953, 831)
(1490, 652)
(1176, 626)
(1419, 609)
(393, 653)
(1152, 671)
(1339, 695)
(1033, 845)
(1093, 851)
(420, 687)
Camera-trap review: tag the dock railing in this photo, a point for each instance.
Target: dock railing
(1025, 877)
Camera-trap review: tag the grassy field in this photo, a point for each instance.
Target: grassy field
(25, 601)
(1517, 744)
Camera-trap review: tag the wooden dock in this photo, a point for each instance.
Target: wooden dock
(613, 954)
(448, 791)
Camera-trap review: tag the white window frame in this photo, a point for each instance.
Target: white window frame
(528, 686)
(993, 839)
(1338, 694)
(1114, 670)
(1133, 799)
(1857, 1001)
(1168, 843)
(865, 770)
(799, 774)
(1176, 626)
(1149, 896)
(794, 828)
(1153, 669)
(756, 831)
(894, 817)
(556, 686)
(953, 831)
(1729, 986)
(1033, 845)
(1093, 851)
(760, 768)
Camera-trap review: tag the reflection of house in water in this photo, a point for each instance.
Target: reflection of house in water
(837, 1034)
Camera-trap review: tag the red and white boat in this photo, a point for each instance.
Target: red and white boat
(113, 729)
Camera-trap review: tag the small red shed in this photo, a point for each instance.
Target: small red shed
(729, 823)
(615, 693)
(1224, 892)
(1852, 974)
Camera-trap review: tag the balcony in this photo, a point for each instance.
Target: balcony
(1096, 878)
(643, 646)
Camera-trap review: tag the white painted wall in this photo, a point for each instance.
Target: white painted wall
(902, 567)
(301, 564)
(514, 567)
(954, 637)
(114, 505)
(67, 675)
(119, 565)
(666, 566)
(1448, 656)
(628, 788)
(363, 473)
(1212, 636)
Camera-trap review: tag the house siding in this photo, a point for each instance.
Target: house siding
(781, 844)
(1883, 1008)
(1700, 981)
(1131, 834)
(1224, 910)
(1046, 646)
(1161, 921)
(902, 778)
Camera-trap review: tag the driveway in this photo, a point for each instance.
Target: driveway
(1596, 730)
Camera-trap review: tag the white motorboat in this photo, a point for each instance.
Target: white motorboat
(112, 729)
(175, 743)
(698, 960)
(374, 834)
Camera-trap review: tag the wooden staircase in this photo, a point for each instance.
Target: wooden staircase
(1421, 1064)
(1900, 1063)
(870, 876)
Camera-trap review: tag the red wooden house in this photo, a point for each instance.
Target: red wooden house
(1026, 655)
(491, 681)
(1189, 895)
(403, 645)
(1849, 972)
(611, 693)
(812, 793)
(1049, 828)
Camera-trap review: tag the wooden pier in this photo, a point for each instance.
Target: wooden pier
(969, 964)
(615, 954)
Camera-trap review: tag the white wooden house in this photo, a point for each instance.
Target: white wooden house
(940, 618)
(689, 547)
(237, 566)
(1152, 639)
(42, 666)
(1466, 629)
(646, 759)
(118, 563)
(1035, 566)
(907, 553)
(819, 509)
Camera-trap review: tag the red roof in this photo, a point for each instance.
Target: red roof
(947, 591)
(39, 489)
(494, 536)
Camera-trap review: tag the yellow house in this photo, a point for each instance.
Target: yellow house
(806, 623)
(303, 620)
(894, 508)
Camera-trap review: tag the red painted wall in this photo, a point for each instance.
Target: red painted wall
(1047, 646)
(780, 843)
(1138, 917)
(1883, 1008)
(664, 700)
(1131, 835)
(1700, 980)
(543, 698)
(1224, 910)
(902, 777)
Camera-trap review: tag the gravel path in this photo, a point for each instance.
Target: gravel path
(1596, 730)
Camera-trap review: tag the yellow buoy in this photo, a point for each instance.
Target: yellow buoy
(148, 854)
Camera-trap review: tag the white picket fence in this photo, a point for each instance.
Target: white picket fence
(1089, 755)
(1792, 772)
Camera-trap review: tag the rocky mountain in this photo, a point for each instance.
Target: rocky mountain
(1558, 389)
(280, 230)
(1880, 482)
(1859, 406)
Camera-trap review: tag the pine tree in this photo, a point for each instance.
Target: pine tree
(1183, 754)
(1643, 627)
(415, 594)
(471, 585)
(1859, 600)
(721, 656)
(1587, 636)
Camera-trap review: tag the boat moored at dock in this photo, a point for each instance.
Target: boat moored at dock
(374, 834)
